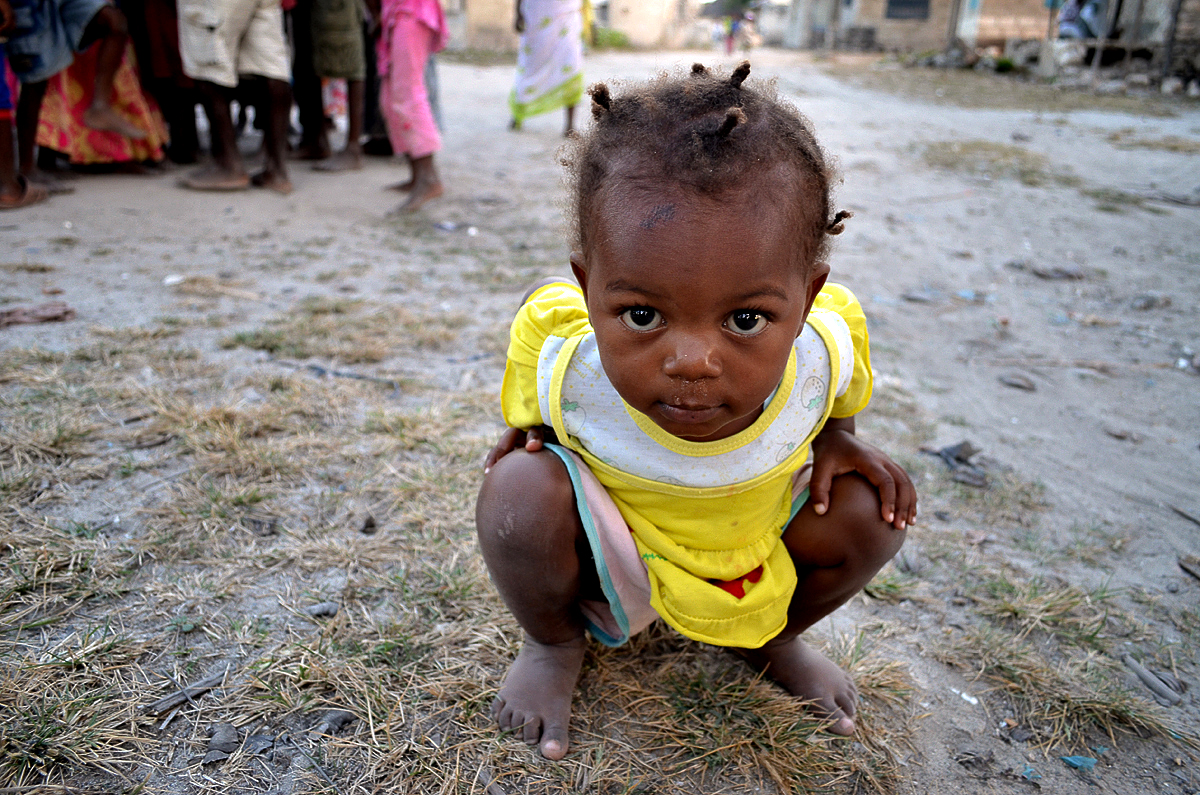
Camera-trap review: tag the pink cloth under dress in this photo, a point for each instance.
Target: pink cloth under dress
(412, 30)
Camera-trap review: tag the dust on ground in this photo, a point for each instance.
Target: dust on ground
(265, 404)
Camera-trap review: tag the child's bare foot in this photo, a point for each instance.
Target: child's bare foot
(807, 674)
(273, 180)
(536, 696)
(213, 177)
(421, 193)
(342, 161)
(106, 119)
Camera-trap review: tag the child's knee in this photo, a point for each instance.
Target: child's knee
(867, 536)
(525, 497)
(852, 532)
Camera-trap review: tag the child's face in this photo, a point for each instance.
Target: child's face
(696, 305)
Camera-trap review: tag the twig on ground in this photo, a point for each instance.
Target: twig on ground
(185, 693)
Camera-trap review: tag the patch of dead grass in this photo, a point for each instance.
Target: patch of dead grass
(348, 331)
(988, 160)
(1129, 139)
(1061, 698)
(966, 88)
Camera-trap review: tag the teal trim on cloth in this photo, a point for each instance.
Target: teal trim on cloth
(593, 537)
(798, 502)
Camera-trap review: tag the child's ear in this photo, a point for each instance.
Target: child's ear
(580, 271)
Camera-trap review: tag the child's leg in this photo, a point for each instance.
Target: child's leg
(108, 27)
(532, 537)
(835, 556)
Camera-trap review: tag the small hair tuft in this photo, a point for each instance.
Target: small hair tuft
(740, 74)
(601, 101)
(733, 117)
(699, 69)
(837, 225)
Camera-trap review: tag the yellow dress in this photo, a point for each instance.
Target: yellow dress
(703, 514)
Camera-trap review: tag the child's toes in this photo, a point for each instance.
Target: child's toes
(843, 726)
(554, 742)
(531, 729)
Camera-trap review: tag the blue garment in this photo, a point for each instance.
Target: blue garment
(6, 100)
(49, 33)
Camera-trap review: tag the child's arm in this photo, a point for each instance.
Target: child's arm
(837, 451)
(529, 438)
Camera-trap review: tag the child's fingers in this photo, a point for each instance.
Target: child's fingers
(906, 496)
(818, 488)
(879, 475)
(533, 439)
(508, 442)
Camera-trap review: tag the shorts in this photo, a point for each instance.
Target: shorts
(6, 100)
(222, 39)
(49, 33)
(619, 565)
(338, 50)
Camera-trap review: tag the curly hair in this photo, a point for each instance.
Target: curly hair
(712, 136)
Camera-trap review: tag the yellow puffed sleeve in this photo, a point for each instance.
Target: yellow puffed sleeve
(837, 298)
(557, 310)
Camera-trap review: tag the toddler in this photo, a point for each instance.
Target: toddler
(681, 422)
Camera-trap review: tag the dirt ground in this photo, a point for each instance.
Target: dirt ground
(264, 404)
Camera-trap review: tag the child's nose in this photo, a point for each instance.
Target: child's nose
(692, 357)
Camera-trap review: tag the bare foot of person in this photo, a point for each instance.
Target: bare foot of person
(310, 151)
(420, 194)
(214, 178)
(54, 184)
(342, 161)
(25, 193)
(807, 674)
(108, 120)
(270, 179)
(535, 699)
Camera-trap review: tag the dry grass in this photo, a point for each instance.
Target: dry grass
(1129, 139)
(988, 160)
(353, 332)
(242, 504)
(965, 88)
(1062, 698)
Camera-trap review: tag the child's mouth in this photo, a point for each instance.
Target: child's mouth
(689, 415)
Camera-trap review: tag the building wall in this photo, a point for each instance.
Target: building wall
(1000, 20)
(489, 24)
(906, 34)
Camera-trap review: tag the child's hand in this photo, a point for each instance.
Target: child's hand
(531, 439)
(837, 451)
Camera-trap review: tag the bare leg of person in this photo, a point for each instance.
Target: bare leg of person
(570, 128)
(279, 103)
(351, 157)
(226, 172)
(835, 556)
(16, 191)
(426, 184)
(531, 537)
(108, 27)
(29, 107)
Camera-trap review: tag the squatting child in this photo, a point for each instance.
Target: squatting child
(681, 422)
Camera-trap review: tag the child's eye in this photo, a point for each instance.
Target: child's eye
(642, 318)
(747, 322)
